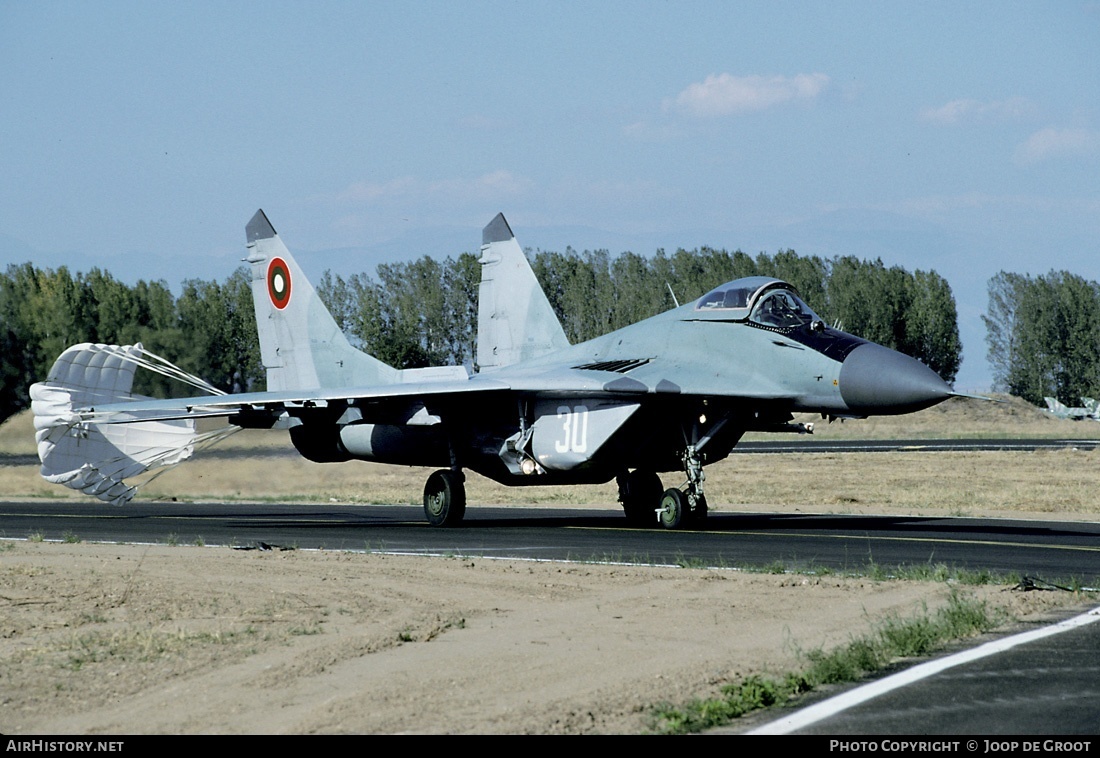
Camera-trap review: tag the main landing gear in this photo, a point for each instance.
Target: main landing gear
(676, 508)
(640, 493)
(445, 497)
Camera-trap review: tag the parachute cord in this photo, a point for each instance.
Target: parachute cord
(166, 368)
(151, 362)
(213, 437)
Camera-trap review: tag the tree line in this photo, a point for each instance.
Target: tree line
(208, 330)
(424, 312)
(1043, 335)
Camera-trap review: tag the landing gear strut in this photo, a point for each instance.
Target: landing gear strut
(693, 464)
(445, 498)
(681, 506)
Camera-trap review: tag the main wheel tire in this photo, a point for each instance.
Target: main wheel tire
(642, 497)
(445, 498)
(674, 510)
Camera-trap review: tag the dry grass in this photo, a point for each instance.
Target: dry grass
(1062, 482)
(958, 418)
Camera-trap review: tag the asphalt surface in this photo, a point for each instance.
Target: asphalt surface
(806, 444)
(1056, 552)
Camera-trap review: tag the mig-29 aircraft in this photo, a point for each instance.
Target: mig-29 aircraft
(1089, 409)
(668, 394)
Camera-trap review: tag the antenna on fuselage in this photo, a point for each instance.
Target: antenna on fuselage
(673, 294)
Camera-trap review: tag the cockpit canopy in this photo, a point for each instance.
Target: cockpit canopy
(762, 300)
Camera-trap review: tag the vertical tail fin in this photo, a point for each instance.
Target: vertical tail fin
(514, 320)
(300, 343)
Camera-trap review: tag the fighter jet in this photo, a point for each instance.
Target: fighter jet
(669, 394)
(1089, 409)
(1092, 406)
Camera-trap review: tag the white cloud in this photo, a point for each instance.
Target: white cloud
(724, 94)
(1058, 143)
(406, 187)
(933, 206)
(614, 192)
(486, 185)
(367, 192)
(967, 109)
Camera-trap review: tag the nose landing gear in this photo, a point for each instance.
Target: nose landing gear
(687, 505)
(677, 508)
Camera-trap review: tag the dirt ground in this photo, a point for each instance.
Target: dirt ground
(131, 639)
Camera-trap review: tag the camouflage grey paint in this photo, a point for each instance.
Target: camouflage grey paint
(674, 391)
(300, 344)
(514, 319)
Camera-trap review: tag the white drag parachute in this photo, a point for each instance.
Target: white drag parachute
(95, 452)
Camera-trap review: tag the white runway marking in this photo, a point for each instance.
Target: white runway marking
(832, 706)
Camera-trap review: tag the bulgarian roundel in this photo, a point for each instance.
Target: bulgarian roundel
(278, 282)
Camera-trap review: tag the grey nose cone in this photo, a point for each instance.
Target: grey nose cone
(876, 380)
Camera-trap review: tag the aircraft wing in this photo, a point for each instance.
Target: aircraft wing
(93, 433)
(552, 381)
(91, 384)
(228, 405)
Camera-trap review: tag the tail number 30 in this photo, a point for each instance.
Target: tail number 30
(574, 429)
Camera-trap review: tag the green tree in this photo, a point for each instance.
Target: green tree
(106, 307)
(1002, 327)
(1033, 377)
(18, 341)
(639, 292)
(218, 326)
(868, 300)
(461, 280)
(1078, 367)
(808, 275)
(932, 325)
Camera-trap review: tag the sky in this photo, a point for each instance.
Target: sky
(964, 138)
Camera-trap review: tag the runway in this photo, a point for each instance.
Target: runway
(811, 445)
(1059, 552)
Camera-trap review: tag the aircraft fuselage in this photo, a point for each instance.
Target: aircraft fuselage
(683, 376)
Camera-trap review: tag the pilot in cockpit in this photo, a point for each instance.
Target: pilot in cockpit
(778, 309)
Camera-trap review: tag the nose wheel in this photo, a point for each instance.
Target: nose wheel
(674, 510)
(678, 512)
